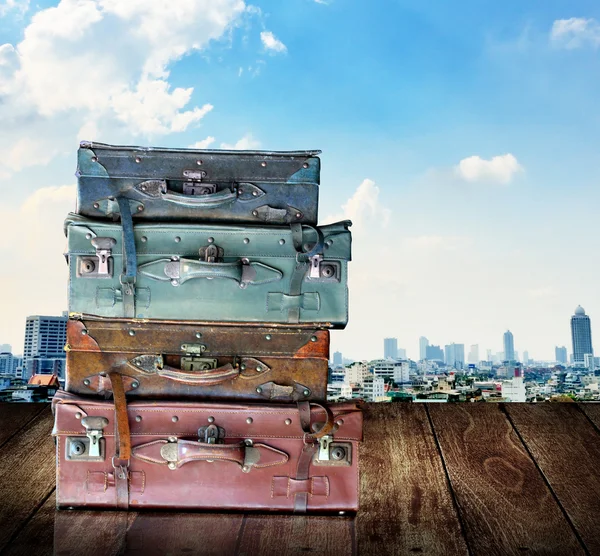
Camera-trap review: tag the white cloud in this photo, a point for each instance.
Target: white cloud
(499, 169)
(246, 143)
(17, 6)
(102, 66)
(575, 32)
(543, 291)
(204, 144)
(272, 43)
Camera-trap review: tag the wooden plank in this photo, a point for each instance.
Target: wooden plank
(270, 535)
(37, 537)
(183, 533)
(27, 474)
(566, 447)
(406, 503)
(15, 416)
(505, 505)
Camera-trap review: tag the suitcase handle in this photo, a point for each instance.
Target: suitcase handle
(157, 189)
(175, 452)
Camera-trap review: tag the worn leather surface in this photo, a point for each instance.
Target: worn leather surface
(271, 483)
(266, 364)
(220, 298)
(268, 187)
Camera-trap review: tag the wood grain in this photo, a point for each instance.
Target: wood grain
(505, 505)
(272, 535)
(592, 410)
(405, 502)
(27, 474)
(37, 537)
(15, 416)
(566, 447)
(153, 534)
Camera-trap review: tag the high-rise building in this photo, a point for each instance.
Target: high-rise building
(338, 360)
(488, 354)
(9, 363)
(45, 339)
(434, 353)
(525, 357)
(5, 348)
(509, 346)
(423, 343)
(455, 355)
(390, 348)
(400, 353)
(560, 354)
(581, 334)
(474, 354)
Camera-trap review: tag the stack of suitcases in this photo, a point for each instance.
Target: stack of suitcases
(201, 294)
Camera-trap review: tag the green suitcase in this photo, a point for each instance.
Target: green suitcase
(210, 273)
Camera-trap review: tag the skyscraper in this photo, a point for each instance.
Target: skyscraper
(390, 348)
(581, 334)
(434, 353)
(560, 354)
(455, 355)
(337, 358)
(509, 346)
(45, 339)
(474, 354)
(423, 343)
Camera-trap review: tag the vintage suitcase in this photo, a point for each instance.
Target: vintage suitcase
(161, 359)
(209, 185)
(215, 456)
(209, 272)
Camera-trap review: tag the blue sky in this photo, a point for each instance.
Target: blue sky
(396, 95)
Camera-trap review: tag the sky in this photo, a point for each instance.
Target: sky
(460, 138)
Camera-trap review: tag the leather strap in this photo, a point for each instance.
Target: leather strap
(128, 276)
(305, 418)
(122, 486)
(122, 436)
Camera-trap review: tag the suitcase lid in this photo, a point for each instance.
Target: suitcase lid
(100, 160)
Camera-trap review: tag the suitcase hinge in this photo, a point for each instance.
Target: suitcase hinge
(99, 266)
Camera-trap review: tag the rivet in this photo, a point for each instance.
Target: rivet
(298, 215)
(248, 442)
(198, 335)
(288, 421)
(144, 239)
(268, 337)
(84, 332)
(172, 465)
(184, 346)
(88, 236)
(199, 162)
(143, 187)
(96, 205)
(132, 332)
(313, 338)
(174, 418)
(121, 475)
(86, 382)
(339, 422)
(102, 373)
(135, 384)
(254, 213)
(211, 419)
(249, 420)
(255, 193)
(94, 159)
(342, 513)
(174, 282)
(306, 392)
(259, 390)
(245, 260)
(78, 415)
(177, 239)
(243, 366)
(259, 369)
(210, 239)
(140, 208)
(263, 164)
(246, 468)
(172, 439)
(305, 165)
(138, 364)
(246, 240)
(282, 242)
(138, 159)
(174, 258)
(138, 418)
(329, 242)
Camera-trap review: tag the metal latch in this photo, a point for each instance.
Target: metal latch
(99, 266)
(191, 363)
(94, 427)
(323, 270)
(211, 434)
(194, 185)
(211, 254)
(333, 453)
(324, 443)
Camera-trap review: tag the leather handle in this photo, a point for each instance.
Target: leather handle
(210, 200)
(305, 419)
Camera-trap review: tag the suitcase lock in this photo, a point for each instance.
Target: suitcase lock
(333, 453)
(99, 266)
(90, 447)
(322, 270)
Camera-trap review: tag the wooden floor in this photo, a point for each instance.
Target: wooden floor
(435, 479)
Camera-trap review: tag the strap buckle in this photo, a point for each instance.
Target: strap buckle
(121, 470)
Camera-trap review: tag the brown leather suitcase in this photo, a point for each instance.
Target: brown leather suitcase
(179, 360)
(197, 455)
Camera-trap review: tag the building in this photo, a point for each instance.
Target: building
(509, 346)
(356, 372)
(401, 353)
(589, 361)
(423, 343)
(434, 353)
(474, 354)
(373, 388)
(560, 354)
(5, 348)
(581, 335)
(338, 360)
(454, 355)
(525, 357)
(514, 389)
(9, 363)
(390, 348)
(45, 339)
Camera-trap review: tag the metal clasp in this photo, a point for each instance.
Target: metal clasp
(94, 427)
(323, 270)
(99, 266)
(195, 186)
(211, 434)
(324, 443)
(211, 254)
